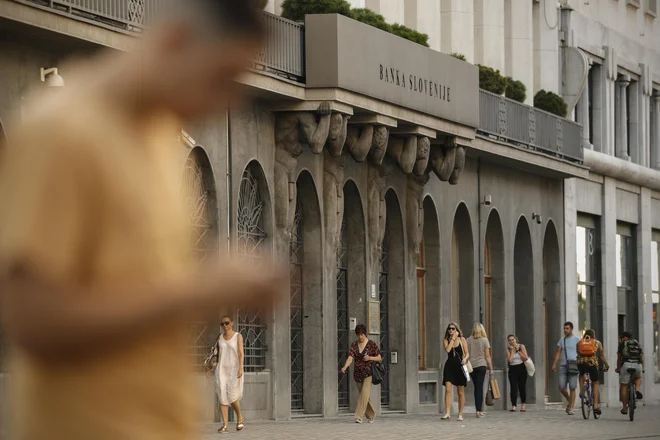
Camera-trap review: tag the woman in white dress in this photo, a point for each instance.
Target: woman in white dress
(229, 373)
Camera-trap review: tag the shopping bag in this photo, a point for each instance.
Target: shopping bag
(495, 387)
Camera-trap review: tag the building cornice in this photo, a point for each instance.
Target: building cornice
(619, 169)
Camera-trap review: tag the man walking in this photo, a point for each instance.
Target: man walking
(98, 285)
(630, 356)
(568, 369)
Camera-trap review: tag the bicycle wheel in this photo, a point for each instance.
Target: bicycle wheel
(586, 409)
(631, 401)
(596, 415)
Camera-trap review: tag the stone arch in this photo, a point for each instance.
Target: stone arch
(306, 316)
(351, 282)
(552, 305)
(392, 303)
(495, 289)
(202, 206)
(523, 272)
(254, 232)
(428, 285)
(463, 291)
(3, 135)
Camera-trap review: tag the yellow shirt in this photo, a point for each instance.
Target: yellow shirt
(90, 197)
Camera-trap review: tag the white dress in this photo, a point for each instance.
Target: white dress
(228, 386)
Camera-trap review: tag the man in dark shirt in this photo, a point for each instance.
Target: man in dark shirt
(629, 356)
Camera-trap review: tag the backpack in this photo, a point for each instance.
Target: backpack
(587, 347)
(632, 350)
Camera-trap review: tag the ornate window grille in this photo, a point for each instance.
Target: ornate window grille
(296, 259)
(200, 204)
(251, 238)
(384, 316)
(342, 314)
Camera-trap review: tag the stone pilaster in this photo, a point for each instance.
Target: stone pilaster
(621, 117)
(583, 114)
(655, 130)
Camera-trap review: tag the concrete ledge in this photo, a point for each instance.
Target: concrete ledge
(622, 170)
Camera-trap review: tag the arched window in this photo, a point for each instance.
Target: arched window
(296, 261)
(342, 313)
(251, 238)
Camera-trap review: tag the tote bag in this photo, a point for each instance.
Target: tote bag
(529, 366)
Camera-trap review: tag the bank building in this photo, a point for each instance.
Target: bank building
(406, 197)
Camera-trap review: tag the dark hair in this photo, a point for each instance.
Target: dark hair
(360, 329)
(591, 333)
(232, 16)
(626, 335)
(568, 323)
(514, 337)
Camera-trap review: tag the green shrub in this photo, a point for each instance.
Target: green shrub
(459, 56)
(297, 9)
(491, 80)
(410, 34)
(367, 16)
(515, 90)
(550, 102)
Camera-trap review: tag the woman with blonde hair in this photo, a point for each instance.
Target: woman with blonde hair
(458, 354)
(481, 361)
(516, 355)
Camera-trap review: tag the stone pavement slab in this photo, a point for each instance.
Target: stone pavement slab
(533, 425)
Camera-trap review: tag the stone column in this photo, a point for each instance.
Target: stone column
(655, 130)
(519, 44)
(489, 33)
(392, 10)
(424, 16)
(570, 251)
(583, 115)
(457, 27)
(644, 300)
(621, 117)
(547, 75)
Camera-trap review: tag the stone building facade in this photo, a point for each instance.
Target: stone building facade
(401, 200)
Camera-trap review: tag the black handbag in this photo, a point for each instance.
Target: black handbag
(378, 371)
(571, 365)
(490, 399)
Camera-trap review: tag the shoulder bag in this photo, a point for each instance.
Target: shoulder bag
(571, 365)
(378, 370)
(467, 364)
(490, 399)
(212, 359)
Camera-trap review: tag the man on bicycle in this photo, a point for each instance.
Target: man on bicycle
(629, 356)
(589, 351)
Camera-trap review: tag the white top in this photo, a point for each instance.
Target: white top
(515, 359)
(227, 385)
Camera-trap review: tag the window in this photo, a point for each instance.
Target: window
(625, 268)
(652, 8)
(487, 278)
(655, 296)
(588, 291)
(421, 300)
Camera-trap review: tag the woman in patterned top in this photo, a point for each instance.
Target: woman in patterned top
(363, 352)
(589, 350)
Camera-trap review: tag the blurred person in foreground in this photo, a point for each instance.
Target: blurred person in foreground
(98, 282)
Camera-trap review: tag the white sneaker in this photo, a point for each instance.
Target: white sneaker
(358, 420)
(370, 420)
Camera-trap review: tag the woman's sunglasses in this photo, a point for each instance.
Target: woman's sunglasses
(452, 328)
(225, 323)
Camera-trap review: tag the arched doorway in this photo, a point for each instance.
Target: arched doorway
(351, 283)
(428, 290)
(462, 260)
(202, 206)
(305, 300)
(494, 301)
(523, 257)
(253, 224)
(552, 307)
(392, 303)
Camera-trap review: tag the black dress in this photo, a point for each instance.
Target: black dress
(453, 371)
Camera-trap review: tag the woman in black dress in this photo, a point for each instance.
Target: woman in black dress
(457, 352)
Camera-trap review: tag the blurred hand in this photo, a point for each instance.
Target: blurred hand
(208, 374)
(343, 370)
(240, 373)
(554, 368)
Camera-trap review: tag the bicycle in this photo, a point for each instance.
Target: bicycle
(587, 398)
(632, 394)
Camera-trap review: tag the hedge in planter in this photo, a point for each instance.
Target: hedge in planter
(367, 16)
(410, 34)
(515, 90)
(491, 80)
(550, 102)
(297, 9)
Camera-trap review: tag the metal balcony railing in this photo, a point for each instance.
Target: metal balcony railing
(282, 53)
(529, 127)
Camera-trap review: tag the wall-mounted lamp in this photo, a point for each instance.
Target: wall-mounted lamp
(538, 218)
(51, 77)
(488, 200)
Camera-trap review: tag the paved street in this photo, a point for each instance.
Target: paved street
(548, 424)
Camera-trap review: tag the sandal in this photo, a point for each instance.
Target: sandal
(223, 430)
(445, 417)
(240, 425)
(460, 418)
(625, 413)
(513, 409)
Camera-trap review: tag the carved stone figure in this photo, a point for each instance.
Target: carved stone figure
(423, 150)
(292, 131)
(404, 151)
(459, 165)
(379, 145)
(333, 200)
(377, 210)
(337, 134)
(443, 160)
(415, 216)
(358, 141)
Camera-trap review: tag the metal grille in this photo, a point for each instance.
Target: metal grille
(296, 255)
(342, 315)
(199, 204)
(251, 237)
(384, 317)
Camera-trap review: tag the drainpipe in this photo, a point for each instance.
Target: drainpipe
(481, 247)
